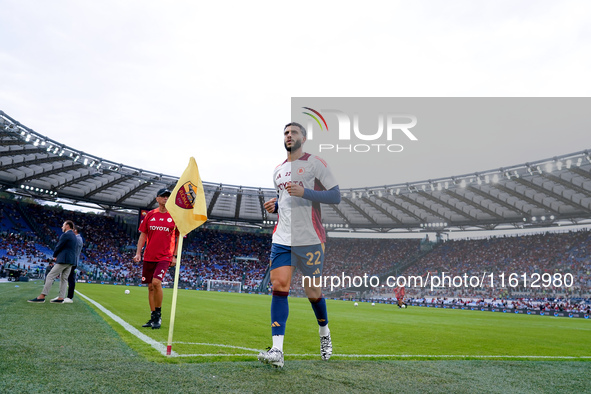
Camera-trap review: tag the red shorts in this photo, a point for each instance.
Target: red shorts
(153, 269)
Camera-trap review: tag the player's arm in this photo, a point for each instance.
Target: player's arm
(177, 234)
(140, 245)
(271, 206)
(332, 196)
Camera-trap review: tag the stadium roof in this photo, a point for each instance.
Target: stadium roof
(549, 192)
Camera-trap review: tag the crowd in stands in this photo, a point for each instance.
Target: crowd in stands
(542, 304)
(10, 218)
(244, 257)
(551, 253)
(108, 250)
(20, 245)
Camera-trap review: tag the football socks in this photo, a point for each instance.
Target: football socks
(279, 312)
(319, 308)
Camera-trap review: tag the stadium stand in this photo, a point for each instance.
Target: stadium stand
(540, 253)
(30, 230)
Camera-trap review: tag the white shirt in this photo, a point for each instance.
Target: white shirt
(299, 221)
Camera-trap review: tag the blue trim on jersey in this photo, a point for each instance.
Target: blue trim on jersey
(332, 196)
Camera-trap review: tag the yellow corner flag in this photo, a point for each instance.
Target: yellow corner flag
(187, 201)
(187, 207)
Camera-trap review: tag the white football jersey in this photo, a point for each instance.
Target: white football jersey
(299, 221)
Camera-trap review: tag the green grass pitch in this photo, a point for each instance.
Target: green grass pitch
(380, 331)
(217, 335)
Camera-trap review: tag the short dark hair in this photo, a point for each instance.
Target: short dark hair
(78, 229)
(302, 128)
(70, 224)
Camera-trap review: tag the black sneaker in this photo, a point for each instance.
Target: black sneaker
(149, 323)
(37, 300)
(157, 322)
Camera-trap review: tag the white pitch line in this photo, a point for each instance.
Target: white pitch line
(396, 356)
(162, 348)
(128, 327)
(215, 355)
(444, 356)
(218, 345)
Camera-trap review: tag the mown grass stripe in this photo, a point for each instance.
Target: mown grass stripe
(128, 327)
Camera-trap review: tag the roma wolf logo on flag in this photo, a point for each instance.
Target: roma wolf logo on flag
(186, 196)
(187, 203)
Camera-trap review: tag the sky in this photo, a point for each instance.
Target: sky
(151, 83)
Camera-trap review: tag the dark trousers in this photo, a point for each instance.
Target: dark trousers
(72, 282)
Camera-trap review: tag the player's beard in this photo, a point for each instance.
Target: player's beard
(297, 145)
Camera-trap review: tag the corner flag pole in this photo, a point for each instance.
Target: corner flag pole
(174, 295)
(188, 209)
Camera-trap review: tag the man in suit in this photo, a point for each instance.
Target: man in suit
(65, 257)
(72, 277)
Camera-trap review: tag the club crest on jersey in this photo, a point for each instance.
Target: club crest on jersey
(301, 170)
(186, 196)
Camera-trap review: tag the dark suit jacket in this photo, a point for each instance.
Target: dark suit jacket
(65, 250)
(79, 245)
